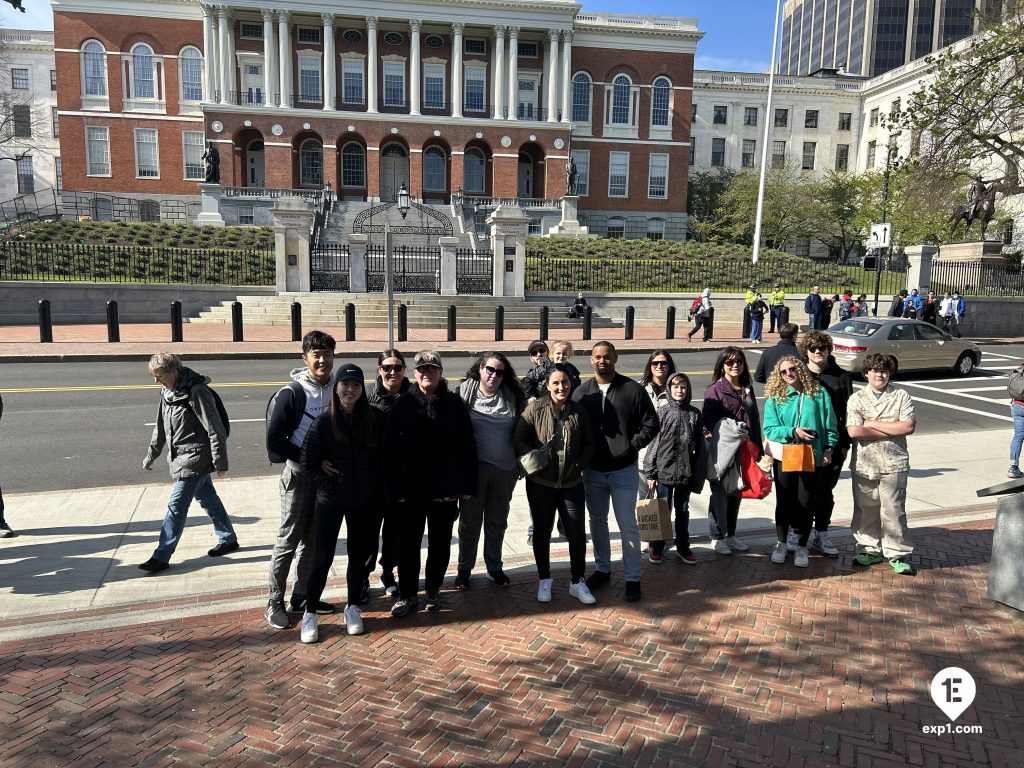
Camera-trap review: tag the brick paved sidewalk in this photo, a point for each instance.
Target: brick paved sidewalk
(733, 662)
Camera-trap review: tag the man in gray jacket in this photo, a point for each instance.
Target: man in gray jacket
(190, 424)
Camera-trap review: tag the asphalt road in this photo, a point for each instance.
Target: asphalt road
(83, 425)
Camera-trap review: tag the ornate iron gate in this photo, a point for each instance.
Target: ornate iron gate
(413, 269)
(329, 267)
(474, 271)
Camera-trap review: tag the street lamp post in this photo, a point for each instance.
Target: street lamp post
(403, 208)
(769, 118)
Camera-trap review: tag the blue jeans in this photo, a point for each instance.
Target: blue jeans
(776, 318)
(199, 487)
(755, 329)
(620, 488)
(812, 322)
(1018, 434)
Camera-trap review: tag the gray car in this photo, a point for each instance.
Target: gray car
(915, 344)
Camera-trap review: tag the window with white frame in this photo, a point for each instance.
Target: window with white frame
(872, 146)
(533, 227)
(192, 146)
(251, 30)
(811, 118)
(311, 164)
(473, 165)
(97, 150)
(26, 177)
(476, 89)
(721, 114)
(55, 122)
(873, 118)
(246, 215)
(661, 100)
(749, 148)
(94, 69)
(582, 159)
(308, 34)
(310, 89)
(352, 81)
(842, 157)
(810, 147)
(147, 157)
(527, 49)
(190, 64)
(433, 86)
(845, 120)
(353, 165)
(435, 170)
(53, 79)
(143, 73)
(582, 97)
(621, 87)
(778, 154)
(616, 227)
(618, 174)
(394, 83)
(657, 176)
(475, 45)
(58, 174)
(655, 229)
(718, 152)
(19, 79)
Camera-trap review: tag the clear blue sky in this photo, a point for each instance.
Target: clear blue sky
(737, 33)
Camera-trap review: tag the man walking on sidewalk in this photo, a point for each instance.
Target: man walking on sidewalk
(292, 411)
(812, 306)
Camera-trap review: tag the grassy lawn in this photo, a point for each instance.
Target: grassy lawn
(147, 235)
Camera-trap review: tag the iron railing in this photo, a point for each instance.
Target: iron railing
(523, 202)
(413, 269)
(271, 193)
(474, 271)
(974, 279)
(330, 264)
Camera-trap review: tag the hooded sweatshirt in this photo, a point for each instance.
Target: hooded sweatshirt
(189, 424)
(287, 428)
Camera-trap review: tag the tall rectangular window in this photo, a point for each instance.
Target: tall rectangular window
(309, 79)
(433, 86)
(693, 112)
(60, 177)
(718, 152)
(693, 150)
(394, 84)
(582, 159)
(749, 148)
(54, 122)
(781, 118)
(26, 178)
(873, 119)
(778, 154)
(147, 161)
(871, 155)
(97, 150)
(191, 77)
(657, 176)
(845, 120)
(19, 79)
(618, 174)
(842, 157)
(721, 115)
(53, 79)
(22, 120)
(808, 159)
(192, 151)
(352, 81)
(476, 89)
(750, 115)
(811, 118)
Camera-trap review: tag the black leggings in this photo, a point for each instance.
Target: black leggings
(383, 539)
(824, 501)
(544, 502)
(680, 497)
(794, 497)
(326, 527)
(438, 518)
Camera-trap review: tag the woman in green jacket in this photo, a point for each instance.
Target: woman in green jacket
(797, 411)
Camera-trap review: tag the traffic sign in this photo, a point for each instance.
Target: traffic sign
(880, 235)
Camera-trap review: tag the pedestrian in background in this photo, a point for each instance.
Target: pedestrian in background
(785, 346)
(1015, 389)
(776, 300)
(189, 423)
(863, 310)
(930, 309)
(701, 315)
(812, 307)
(758, 309)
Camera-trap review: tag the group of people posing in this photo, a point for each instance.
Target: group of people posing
(404, 456)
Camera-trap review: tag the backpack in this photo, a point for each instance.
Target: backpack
(221, 411)
(1016, 386)
(695, 307)
(300, 401)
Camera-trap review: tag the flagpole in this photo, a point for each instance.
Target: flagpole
(769, 119)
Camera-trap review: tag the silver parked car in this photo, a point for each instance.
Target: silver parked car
(915, 344)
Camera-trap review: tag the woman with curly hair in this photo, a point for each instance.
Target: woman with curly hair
(797, 411)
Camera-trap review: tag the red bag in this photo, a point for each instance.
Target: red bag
(757, 485)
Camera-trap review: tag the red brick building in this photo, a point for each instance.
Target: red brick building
(486, 97)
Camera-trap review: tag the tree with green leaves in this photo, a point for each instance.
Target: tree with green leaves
(836, 213)
(787, 197)
(705, 191)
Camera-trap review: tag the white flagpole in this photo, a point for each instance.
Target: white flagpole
(769, 119)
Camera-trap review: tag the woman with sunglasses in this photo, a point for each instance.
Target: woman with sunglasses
(495, 402)
(391, 382)
(658, 370)
(730, 396)
(797, 411)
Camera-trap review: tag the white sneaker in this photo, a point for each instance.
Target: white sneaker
(353, 620)
(544, 591)
(738, 544)
(779, 553)
(800, 559)
(792, 541)
(580, 591)
(308, 632)
(722, 548)
(822, 543)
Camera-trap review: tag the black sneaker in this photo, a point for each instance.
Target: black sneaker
(499, 578)
(276, 615)
(462, 580)
(598, 579)
(223, 548)
(632, 591)
(5, 529)
(404, 606)
(364, 593)
(298, 605)
(433, 601)
(387, 580)
(154, 566)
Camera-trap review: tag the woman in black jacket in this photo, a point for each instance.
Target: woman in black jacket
(347, 435)
(432, 464)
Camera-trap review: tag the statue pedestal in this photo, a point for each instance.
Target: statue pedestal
(569, 226)
(976, 251)
(210, 216)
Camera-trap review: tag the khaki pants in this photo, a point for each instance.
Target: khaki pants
(879, 515)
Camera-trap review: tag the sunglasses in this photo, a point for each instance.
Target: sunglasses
(659, 363)
(788, 371)
(879, 372)
(733, 362)
(538, 352)
(425, 369)
(494, 371)
(817, 349)
(393, 368)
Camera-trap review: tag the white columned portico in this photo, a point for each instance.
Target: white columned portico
(330, 78)
(284, 58)
(270, 77)
(371, 63)
(210, 53)
(224, 28)
(551, 76)
(457, 28)
(566, 74)
(499, 81)
(513, 72)
(233, 87)
(415, 86)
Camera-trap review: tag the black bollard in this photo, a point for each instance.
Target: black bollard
(403, 322)
(630, 318)
(588, 323)
(113, 327)
(747, 321)
(176, 333)
(451, 322)
(499, 323)
(670, 323)
(350, 322)
(544, 316)
(296, 321)
(236, 321)
(45, 322)
(709, 325)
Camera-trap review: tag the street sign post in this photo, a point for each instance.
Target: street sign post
(880, 235)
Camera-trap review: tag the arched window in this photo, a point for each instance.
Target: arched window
(94, 69)
(353, 165)
(620, 100)
(435, 170)
(581, 97)
(190, 62)
(473, 176)
(311, 164)
(661, 93)
(143, 73)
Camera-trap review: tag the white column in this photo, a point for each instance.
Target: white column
(284, 59)
(551, 76)
(566, 75)
(497, 61)
(457, 76)
(513, 72)
(231, 75)
(270, 76)
(330, 76)
(209, 53)
(371, 63)
(415, 86)
(224, 28)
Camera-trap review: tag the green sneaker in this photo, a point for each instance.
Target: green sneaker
(868, 558)
(902, 567)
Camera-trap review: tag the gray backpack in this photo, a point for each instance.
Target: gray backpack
(1016, 386)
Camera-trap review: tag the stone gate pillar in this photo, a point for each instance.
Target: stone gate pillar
(509, 225)
(357, 262)
(292, 219)
(449, 277)
(920, 273)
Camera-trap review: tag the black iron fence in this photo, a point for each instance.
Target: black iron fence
(134, 264)
(474, 271)
(413, 269)
(1005, 279)
(330, 264)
